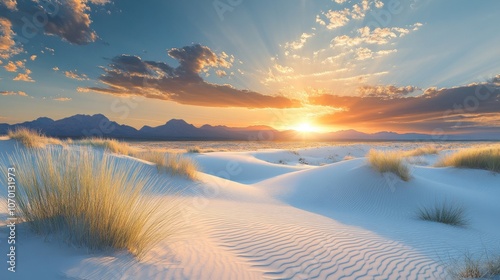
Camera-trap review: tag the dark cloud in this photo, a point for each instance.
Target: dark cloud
(193, 59)
(450, 110)
(68, 19)
(130, 75)
(387, 91)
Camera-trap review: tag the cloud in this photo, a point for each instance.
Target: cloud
(386, 91)
(299, 44)
(130, 75)
(283, 69)
(19, 66)
(100, 2)
(33, 57)
(69, 20)
(335, 19)
(10, 4)
(18, 93)
(25, 77)
(55, 68)
(7, 44)
(74, 75)
(378, 35)
(197, 58)
(365, 53)
(11, 67)
(390, 107)
(220, 73)
(359, 10)
(62, 99)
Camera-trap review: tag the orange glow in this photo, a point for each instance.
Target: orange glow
(306, 127)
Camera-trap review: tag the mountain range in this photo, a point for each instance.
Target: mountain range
(82, 126)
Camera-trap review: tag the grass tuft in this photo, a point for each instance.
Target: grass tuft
(487, 158)
(420, 151)
(32, 138)
(90, 200)
(476, 268)
(172, 163)
(444, 213)
(110, 145)
(194, 150)
(389, 161)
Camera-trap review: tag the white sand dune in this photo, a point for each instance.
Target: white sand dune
(270, 215)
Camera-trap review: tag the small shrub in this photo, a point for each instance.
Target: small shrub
(487, 158)
(31, 138)
(444, 213)
(91, 200)
(389, 161)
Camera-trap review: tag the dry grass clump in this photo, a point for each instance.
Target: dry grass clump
(389, 161)
(32, 138)
(444, 213)
(194, 150)
(111, 145)
(473, 268)
(173, 163)
(91, 200)
(487, 158)
(420, 151)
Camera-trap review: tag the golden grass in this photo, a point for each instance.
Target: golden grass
(194, 150)
(420, 151)
(389, 161)
(486, 157)
(32, 138)
(111, 145)
(172, 163)
(93, 201)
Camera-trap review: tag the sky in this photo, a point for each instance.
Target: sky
(370, 65)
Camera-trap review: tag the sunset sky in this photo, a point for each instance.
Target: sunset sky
(369, 65)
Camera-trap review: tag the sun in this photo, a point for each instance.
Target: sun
(305, 127)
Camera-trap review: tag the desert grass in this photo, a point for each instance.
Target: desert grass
(173, 163)
(91, 200)
(445, 213)
(476, 268)
(420, 151)
(486, 157)
(32, 138)
(111, 145)
(193, 150)
(389, 161)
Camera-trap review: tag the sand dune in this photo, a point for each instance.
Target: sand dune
(269, 215)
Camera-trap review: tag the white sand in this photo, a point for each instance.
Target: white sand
(269, 215)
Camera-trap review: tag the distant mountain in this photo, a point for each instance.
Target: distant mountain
(81, 126)
(77, 126)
